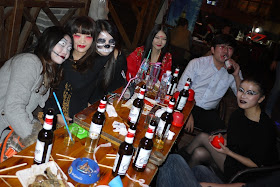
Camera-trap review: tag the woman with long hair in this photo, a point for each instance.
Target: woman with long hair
(110, 57)
(75, 89)
(26, 80)
(157, 42)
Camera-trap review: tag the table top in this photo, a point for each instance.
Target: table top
(157, 156)
(78, 150)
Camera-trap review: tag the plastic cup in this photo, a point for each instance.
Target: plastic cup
(91, 142)
(178, 118)
(191, 95)
(74, 132)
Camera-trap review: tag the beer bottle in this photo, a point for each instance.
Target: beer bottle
(172, 86)
(183, 96)
(45, 140)
(97, 122)
(144, 148)
(229, 66)
(164, 124)
(137, 107)
(125, 153)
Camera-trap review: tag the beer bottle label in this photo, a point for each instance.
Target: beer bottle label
(173, 88)
(95, 128)
(39, 151)
(182, 102)
(160, 127)
(143, 158)
(124, 164)
(133, 115)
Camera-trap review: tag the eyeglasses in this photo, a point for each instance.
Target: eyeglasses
(223, 47)
(249, 92)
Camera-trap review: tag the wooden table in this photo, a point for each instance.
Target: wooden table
(157, 156)
(78, 150)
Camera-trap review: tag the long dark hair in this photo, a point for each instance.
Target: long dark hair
(149, 41)
(83, 25)
(52, 72)
(105, 25)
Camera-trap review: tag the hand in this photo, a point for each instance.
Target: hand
(273, 65)
(61, 121)
(223, 148)
(235, 66)
(190, 124)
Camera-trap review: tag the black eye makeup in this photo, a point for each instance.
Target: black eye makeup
(101, 40)
(112, 41)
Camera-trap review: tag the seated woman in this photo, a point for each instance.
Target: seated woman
(157, 42)
(25, 84)
(74, 91)
(251, 136)
(110, 57)
(92, 70)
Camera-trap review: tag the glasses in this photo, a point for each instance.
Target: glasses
(249, 92)
(225, 47)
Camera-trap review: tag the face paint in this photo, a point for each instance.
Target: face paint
(105, 43)
(82, 42)
(61, 50)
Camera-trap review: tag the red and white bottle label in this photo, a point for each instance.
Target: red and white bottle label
(133, 115)
(143, 158)
(123, 165)
(182, 102)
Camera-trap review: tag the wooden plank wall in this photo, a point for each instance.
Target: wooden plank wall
(18, 20)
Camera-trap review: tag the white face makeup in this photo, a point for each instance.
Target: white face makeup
(105, 43)
(61, 50)
(248, 95)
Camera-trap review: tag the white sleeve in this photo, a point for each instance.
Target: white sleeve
(188, 73)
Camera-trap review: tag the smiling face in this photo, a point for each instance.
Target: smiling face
(61, 50)
(248, 95)
(159, 40)
(82, 42)
(105, 43)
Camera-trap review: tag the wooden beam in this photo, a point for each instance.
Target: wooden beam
(119, 26)
(13, 29)
(28, 26)
(51, 16)
(140, 22)
(70, 13)
(2, 37)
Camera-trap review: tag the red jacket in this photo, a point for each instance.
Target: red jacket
(134, 62)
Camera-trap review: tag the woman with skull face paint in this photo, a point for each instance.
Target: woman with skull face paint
(109, 58)
(157, 42)
(26, 80)
(79, 73)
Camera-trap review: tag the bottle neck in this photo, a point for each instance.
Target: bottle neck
(186, 87)
(102, 106)
(141, 93)
(130, 136)
(48, 123)
(170, 107)
(150, 132)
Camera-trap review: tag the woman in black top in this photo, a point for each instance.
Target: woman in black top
(250, 141)
(88, 74)
(109, 58)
